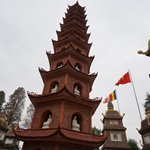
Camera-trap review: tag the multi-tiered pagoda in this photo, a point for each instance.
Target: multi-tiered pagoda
(113, 126)
(63, 112)
(145, 129)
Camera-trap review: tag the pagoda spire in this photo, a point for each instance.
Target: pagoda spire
(110, 105)
(113, 127)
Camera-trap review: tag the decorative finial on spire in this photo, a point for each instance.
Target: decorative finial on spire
(110, 105)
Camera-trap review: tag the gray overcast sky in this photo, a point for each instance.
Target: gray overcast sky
(118, 30)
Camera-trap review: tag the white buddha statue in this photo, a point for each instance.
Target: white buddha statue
(46, 124)
(53, 90)
(76, 91)
(60, 65)
(75, 125)
(77, 67)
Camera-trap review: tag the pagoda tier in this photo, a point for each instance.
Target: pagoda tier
(74, 17)
(62, 136)
(58, 104)
(81, 28)
(77, 7)
(76, 14)
(73, 30)
(64, 95)
(72, 39)
(67, 55)
(67, 75)
(113, 126)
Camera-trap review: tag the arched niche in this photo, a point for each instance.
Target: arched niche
(54, 87)
(78, 50)
(45, 118)
(77, 89)
(76, 122)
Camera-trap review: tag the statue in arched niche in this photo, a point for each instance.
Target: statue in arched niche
(60, 65)
(77, 67)
(53, 90)
(75, 124)
(76, 90)
(46, 124)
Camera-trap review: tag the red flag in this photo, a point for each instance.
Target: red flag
(124, 79)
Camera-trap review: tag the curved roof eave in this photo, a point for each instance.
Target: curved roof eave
(80, 137)
(72, 37)
(72, 50)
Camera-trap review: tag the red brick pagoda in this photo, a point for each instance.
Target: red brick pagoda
(63, 112)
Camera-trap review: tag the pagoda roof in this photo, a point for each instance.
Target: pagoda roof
(145, 126)
(73, 29)
(116, 145)
(74, 23)
(81, 11)
(65, 95)
(69, 69)
(74, 17)
(112, 114)
(10, 133)
(114, 127)
(72, 39)
(60, 134)
(70, 50)
(70, 13)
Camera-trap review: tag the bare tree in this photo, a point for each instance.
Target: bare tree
(2, 99)
(15, 105)
(26, 122)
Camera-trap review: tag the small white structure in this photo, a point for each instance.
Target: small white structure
(60, 65)
(75, 125)
(76, 91)
(77, 67)
(46, 124)
(54, 89)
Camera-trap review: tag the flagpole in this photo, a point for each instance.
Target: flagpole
(135, 95)
(117, 101)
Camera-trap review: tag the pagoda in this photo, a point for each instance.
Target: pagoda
(63, 112)
(113, 126)
(145, 129)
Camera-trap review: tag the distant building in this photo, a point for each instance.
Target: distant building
(145, 130)
(113, 127)
(8, 141)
